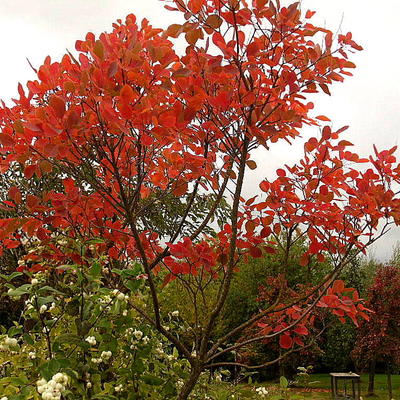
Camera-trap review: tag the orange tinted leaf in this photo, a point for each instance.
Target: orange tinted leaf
(309, 14)
(325, 88)
(18, 126)
(193, 36)
(99, 49)
(45, 166)
(195, 5)
(58, 105)
(251, 164)
(174, 30)
(304, 260)
(126, 94)
(323, 118)
(112, 69)
(214, 21)
(338, 286)
(345, 143)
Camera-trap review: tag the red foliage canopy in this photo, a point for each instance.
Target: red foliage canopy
(127, 120)
(379, 338)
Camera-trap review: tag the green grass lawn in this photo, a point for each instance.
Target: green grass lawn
(323, 382)
(320, 390)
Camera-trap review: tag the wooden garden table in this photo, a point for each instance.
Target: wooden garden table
(349, 376)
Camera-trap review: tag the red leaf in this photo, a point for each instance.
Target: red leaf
(286, 341)
(255, 252)
(309, 14)
(304, 260)
(41, 233)
(301, 330)
(15, 194)
(338, 286)
(180, 189)
(281, 172)
(298, 341)
(6, 140)
(29, 171)
(11, 244)
(265, 186)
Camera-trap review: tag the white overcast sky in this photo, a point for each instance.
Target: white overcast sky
(369, 102)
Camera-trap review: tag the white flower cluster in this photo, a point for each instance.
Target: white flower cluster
(118, 388)
(104, 356)
(7, 343)
(159, 350)
(138, 335)
(32, 355)
(120, 296)
(29, 303)
(91, 340)
(262, 391)
(4, 398)
(105, 299)
(53, 389)
(175, 313)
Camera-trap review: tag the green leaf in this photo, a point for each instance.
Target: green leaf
(133, 286)
(28, 339)
(45, 300)
(283, 382)
(94, 241)
(152, 380)
(68, 338)
(24, 289)
(10, 277)
(44, 289)
(95, 270)
(50, 368)
(14, 330)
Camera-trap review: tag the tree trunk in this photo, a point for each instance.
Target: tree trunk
(189, 384)
(371, 379)
(389, 383)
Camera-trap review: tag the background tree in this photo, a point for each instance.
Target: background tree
(378, 339)
(127, 122)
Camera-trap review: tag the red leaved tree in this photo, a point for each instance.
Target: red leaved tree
(378, 339)
(127, 122)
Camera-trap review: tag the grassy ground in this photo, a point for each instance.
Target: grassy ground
(323, 383)
(320, 390)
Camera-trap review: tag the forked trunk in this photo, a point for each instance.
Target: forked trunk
(189, 384)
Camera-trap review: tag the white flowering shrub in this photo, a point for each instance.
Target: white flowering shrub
(79, 337)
